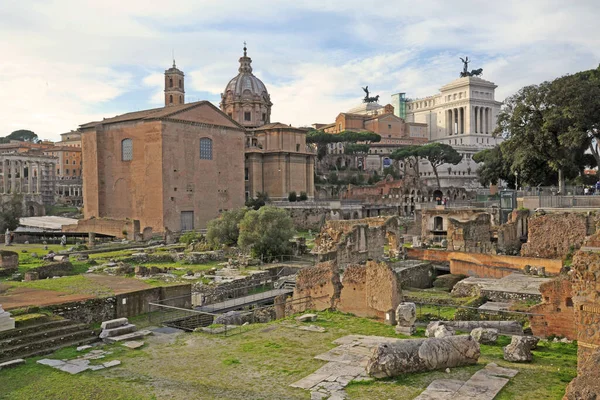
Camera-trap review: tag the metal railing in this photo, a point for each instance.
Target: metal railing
(544, 201)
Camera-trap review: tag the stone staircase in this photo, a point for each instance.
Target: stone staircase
(44, 338)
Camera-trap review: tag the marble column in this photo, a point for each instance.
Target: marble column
(21, 176)
(30, 176)
(39, 178)
(13, 176)
(5, 176)
(481, 119)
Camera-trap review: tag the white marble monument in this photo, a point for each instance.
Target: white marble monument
(6, 322)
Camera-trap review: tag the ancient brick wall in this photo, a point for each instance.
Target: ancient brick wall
(50, 270)
(354, 292)
(586, 297)
(87, 311)
(510, 233)
(552, 235)
(557, 310)
(9, 262)
(484, 265)
(383, 291)
(356, 241)
(472, 236)
(322, 284)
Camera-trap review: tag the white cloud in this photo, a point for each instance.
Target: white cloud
(63, 60)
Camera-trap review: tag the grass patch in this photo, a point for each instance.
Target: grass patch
(76, 284)
(269, 353)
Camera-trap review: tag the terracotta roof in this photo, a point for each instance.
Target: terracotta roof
(155, 113)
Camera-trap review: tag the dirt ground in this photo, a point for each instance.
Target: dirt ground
(18, 297)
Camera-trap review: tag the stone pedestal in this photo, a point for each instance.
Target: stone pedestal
(6, 322)
(406, 315)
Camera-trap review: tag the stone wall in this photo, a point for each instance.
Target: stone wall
(472, 236)
(365, 290)
(356, 241)
(553, 235)
(124, 305)
(219, 291)
(510, 233)
(557, 311)
(49, 271)
(87, 311)
(586, 299)
(484, 265)
(414, 274)
(9, 262)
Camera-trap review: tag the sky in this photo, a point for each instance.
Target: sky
(68, 62)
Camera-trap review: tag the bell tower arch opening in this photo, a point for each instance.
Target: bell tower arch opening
(174, 86)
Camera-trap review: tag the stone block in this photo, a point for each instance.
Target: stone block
(118, 331)
(437, 329)
(485, 335)
(6, 322)
(113, 323)
(31, 276)
(112, 363)
(519, 349)
(133, 344)
(12, 363)
(129, 336)
(307, 318)
(61, 258)
(83, 348)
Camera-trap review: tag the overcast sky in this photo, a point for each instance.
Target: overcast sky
(67, 62)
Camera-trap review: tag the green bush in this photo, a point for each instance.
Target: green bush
(303, 196)
(292, 196)
(189, 237)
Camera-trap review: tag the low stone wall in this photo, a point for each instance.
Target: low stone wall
(87, 311)
(557, 313)
(9, 262)
(49, 271)
(124, 305)
(484, 265)
(419, 276)
(215, 292)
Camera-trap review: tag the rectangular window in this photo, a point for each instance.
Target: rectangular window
(246, 174)
(66, 171)
(205, 149)
(264, 117)
(247, 116)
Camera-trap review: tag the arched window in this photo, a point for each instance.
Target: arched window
(170, 82)
(127, 150)
(171, 98)
(205, 149)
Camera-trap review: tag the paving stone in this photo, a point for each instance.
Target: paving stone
(82, 348)
(96, 367)
(440, 389)
(133, 344)
(73, 368)
(118, 331)
(112, 363)
(129, 336)
(318, 395)
(312, 328)
(50, 362)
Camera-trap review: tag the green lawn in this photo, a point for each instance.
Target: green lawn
(75, 284)
(261, 364)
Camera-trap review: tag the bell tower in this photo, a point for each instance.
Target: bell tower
(174, 89)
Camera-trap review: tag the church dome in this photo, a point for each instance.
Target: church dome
(246, 98)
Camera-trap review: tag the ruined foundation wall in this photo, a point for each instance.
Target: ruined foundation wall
(552, 235)
(354, 292)
(484, 265)
(586, 299)
(557, 310)
(322, 284)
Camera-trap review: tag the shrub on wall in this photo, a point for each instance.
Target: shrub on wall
(303, 196)
(292, 196)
